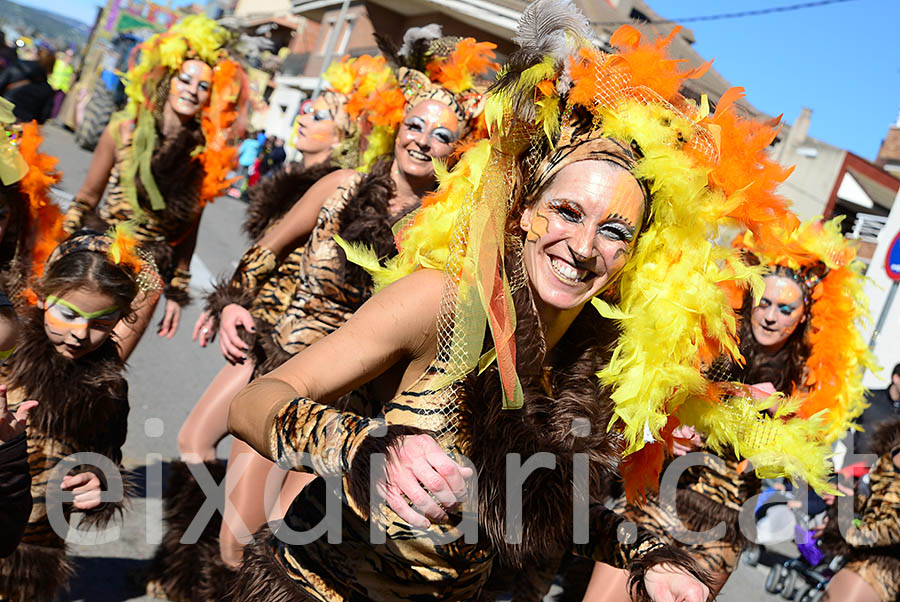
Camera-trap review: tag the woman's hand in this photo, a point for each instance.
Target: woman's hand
(13, 425)
(169, 325)
(205, 329)
(420, 470)
(233, 347)
(667, 583)
(86, 487)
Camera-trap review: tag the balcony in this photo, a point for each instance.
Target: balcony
(866, 228)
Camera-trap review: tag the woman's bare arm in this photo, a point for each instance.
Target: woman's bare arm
(398, 324)
(98, 174)
(94, 184)
(297, 224)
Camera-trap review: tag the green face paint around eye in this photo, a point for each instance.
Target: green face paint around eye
(52, 300)
(4, 355)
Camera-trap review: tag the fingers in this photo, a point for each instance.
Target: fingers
(233, 348)
(428, 478)
(399, 505)
(24, 408)
(201, 327)
(3, 404)
(174, 320)
(76, 483)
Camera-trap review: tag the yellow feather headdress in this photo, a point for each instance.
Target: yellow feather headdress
(702, 170)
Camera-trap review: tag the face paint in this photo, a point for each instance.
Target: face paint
(80, 321)
(428, 132)
(316, 129)
(581, 231)
(189, 89)
(779, 312)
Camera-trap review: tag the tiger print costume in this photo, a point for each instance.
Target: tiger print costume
(313, 290)
(179, 178)
(561, 415)
(83, 408)
(704, 498)
(872, 544)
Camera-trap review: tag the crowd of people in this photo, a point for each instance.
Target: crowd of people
(478, 327)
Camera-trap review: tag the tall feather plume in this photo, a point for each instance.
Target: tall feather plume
(548, 29)
(413, 53)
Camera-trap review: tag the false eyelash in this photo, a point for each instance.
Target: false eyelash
(626, 233)
(563, 207)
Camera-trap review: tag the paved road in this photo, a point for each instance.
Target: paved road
(166, 377)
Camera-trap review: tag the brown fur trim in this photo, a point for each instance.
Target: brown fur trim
(216, 580)
(544, 424)
(358, 480)
(179, 295)
(83, 401)
(261, 577)
(274, 195)
(176, 567)
(831, 541)
(266, 353)
(365, 219)
(178, 175)
(35, 573)
(675, 557)
(700, 513)
(225, 293)
(886, 437)
(100, 517)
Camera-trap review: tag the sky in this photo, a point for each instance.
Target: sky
(840, 60)
(82, 10)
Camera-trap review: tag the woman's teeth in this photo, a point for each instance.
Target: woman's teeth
(418, 155)
(567, 272)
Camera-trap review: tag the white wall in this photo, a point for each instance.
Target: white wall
(887, 348)
(283, 106)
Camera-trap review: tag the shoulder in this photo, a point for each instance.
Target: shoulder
(413, 302)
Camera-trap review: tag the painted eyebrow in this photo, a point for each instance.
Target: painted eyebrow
(52, 300)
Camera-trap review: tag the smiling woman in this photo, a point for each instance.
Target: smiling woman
(166, 155)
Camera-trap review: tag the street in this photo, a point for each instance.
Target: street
(166, 377)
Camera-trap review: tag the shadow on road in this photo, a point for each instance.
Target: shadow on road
(104, 579)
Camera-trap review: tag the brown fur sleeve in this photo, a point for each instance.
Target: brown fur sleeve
(273, 196)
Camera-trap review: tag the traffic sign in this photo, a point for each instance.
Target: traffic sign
(892, 259)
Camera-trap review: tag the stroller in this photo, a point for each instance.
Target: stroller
(778, 514)
(803, 579)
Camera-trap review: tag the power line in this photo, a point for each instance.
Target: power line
(737, 15)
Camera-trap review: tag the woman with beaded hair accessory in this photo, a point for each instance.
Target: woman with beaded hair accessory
(801, 339)
(596, 181)
(166, 155)
(295, 285)
(68, 360)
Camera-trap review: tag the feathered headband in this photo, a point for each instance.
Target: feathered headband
(824, 263)
(121, 247)
(443, 68)
(702, 170)
(365, 99)
(194, 37)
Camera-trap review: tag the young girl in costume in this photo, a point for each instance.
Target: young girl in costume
(166, 155)
(871, 543)
(295, 285)
(68, 359)
(30, 223)
(800, 338)
(482, 345)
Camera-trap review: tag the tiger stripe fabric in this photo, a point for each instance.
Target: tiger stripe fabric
(875, 537)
